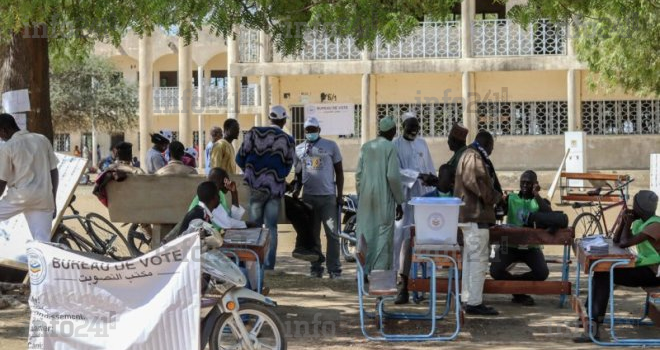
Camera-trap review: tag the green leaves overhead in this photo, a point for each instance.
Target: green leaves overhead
(74, 24)
(618, 39)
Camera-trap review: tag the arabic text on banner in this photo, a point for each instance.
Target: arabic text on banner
(150, 302)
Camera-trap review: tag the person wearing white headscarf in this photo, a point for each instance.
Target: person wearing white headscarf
(378, 184)
(414, 159)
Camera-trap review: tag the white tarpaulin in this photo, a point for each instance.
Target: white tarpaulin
(15, 232)
(150, 302)
(334, 118)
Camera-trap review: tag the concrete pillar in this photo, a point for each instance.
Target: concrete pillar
(570, 33)
(200, 120)
(468, 94)
(574, 99)
(146, 98)
(185, 92)
(366, 107)
(233, 82)
(467, 17)
(265, 56)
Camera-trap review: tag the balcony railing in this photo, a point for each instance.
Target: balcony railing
(319, 46)
(429, 40)
(248, 45)
(503, 37)
(500, 37)
(166, 99)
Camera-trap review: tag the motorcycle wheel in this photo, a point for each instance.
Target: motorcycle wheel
(265, 329)
(347, 247)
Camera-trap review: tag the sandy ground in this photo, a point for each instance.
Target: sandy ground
(322, 313)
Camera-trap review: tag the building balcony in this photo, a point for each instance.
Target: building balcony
(501, 37)
(166, 99)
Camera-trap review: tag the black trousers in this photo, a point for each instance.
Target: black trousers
(636, 277)
(532, 257)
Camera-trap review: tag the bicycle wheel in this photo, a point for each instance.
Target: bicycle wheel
(107, 236)
(62, 236)
(139, 240)
(587, 224)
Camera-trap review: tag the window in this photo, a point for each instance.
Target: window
(62, 143)
(219, 78)
(196, 138)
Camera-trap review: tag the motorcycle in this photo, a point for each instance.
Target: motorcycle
(347, 237)
(234, 317)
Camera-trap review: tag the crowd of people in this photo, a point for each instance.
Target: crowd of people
(390, 172)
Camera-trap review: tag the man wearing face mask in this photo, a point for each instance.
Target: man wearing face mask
(319, 172)
(378, 183)
(414, 160)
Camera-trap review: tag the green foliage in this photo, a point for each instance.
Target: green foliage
(618, 39)
(91, 88)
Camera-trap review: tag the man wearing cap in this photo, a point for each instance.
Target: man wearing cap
(155, 159)
(223, 154)
(216, 134)
(456, 141)
(414, 160)
(266, 158)
(319, 172)
(378, 184)
(640, 228)
(28, 170)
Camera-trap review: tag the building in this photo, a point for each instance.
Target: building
(523, 84)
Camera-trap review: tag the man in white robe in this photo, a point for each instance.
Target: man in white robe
(414, 160)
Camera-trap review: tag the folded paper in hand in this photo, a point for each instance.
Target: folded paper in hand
(408, 177)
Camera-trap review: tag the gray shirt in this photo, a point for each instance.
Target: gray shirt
(155, 161)
(316, 161)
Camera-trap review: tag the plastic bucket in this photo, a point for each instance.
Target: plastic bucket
(436, 220)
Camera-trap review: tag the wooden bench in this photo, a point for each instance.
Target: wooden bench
(570, 193)
(653, 304)
(162, 200)
(515, 236)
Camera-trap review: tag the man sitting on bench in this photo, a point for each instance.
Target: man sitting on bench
(518, 207)
(640, 228)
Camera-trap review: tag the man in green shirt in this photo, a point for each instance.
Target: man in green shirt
(640, 228)
(518, 207)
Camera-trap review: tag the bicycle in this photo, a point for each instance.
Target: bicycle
(103, 237)
(587, 223)
(139, 238)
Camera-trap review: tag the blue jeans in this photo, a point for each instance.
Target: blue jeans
(266, 210)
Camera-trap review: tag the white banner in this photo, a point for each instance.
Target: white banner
(15, 232)
(16, 101)
(334, 118)
(150, 302)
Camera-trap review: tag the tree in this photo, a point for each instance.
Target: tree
(618, 39)
(33, 30)
(91, 90)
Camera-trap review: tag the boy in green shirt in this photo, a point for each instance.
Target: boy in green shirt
(518, 207)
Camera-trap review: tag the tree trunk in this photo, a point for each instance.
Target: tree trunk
(25, 65)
